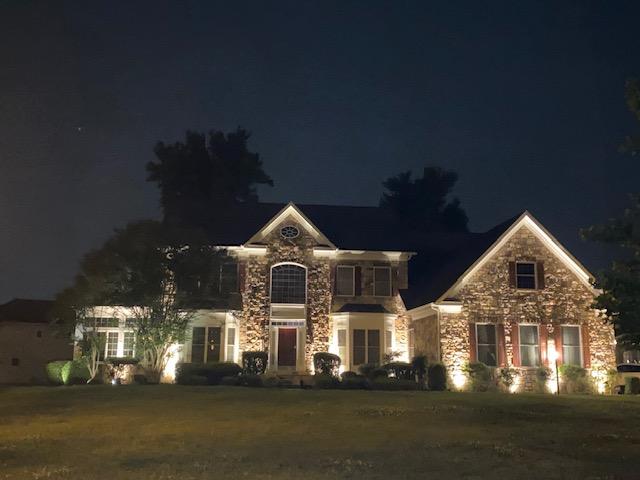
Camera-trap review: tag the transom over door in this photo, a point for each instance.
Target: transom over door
(287, 347)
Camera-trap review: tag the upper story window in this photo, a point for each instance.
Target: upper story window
(289, 231)
(288, 284)
(228, 278)
(381, 281)
(526, 275)
(345, 280)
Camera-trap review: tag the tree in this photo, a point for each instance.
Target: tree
(620, 284)
(422, 203)
(159, 274)
(204, 173)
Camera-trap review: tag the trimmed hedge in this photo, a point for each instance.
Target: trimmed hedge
(54, 371)
(399, 370)
(437, 377)
(325, 381)
(393, 384)
(67, 372)
(250, 380)
(325, 363)
(254, 362)
(213, 373)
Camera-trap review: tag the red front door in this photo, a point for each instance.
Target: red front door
(286, 347)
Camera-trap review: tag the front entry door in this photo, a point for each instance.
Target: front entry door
(287, 347)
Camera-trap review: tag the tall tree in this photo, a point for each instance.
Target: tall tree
(620, 284)
(205, 172)
(161, 275)
(423, 203)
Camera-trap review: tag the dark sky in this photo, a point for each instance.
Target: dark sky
(523, 99)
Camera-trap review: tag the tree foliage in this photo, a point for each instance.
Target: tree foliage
(631, 143)
(205, 172)
(423, 203)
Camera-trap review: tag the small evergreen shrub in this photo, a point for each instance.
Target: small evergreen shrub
(349, 374)
(420, 367)
(480, 377)
(437, 377)
(254, 362)
(366, 369)
(75, 373)
(574, 379)
(399, 370)
(325, 363)
(250, 381)
(54, 371)
(213, 372)
(394, 384)
(325, 381)
(632, 386)
(543, 374)
(612, 380)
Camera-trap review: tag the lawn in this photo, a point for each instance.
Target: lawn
(176, 432)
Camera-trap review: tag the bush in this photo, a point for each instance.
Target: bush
(250, 380)
(54, 371)
(212, 372)
(325, 363)
(480, 377)
(393, 384)
(372, 371)
(507, 377)
(355, 382)
(437, 377)
(349, 374)
(575, 379)
(193, 379)
(230, 381)
(420, 367)
(140, 379)
(325, 381)
(632, 386)
(254, 362)
(399, 370)
(542, 375)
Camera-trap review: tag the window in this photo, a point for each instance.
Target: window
(366, 346)
(107, 322)
(205, 344)
(526, 275)
(112, 344)
(345, 281)
(486, 344)
(381, 281)
(571, 354)
(388, 341)
(288, 284)
(129, 322)
(197, 345)
(39, 334)
(128, 344)
(529, 346)
(342, 345)
(213, 344)
(289, 231)
(228, 277)
(231, 344)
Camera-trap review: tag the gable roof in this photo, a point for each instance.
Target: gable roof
(442, 266)
(26, 311)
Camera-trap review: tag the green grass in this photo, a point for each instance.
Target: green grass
(175, 432)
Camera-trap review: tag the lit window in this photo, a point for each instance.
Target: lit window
(529, 346)
(571, 352)
(345, 281)
(526, 275)
(288, 284)
(366, 346)
(112, 344)
(127, 349)
(381, 281)
(486, 344)
(342, 345)
(107, 322)
(231, 344)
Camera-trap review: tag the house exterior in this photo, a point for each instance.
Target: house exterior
(28, 341)
(354, 282)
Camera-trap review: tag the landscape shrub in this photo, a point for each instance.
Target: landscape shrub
(230, 381)
(270, 381)
(122, 369)
(632, 385)
(420, 366)
(54, 371)
(248, 380)
(140, 379)
(612, 380)
(325, 363)
(437, 377)
(254, 362)
(480, 377)
(349, 374)
(212, 372)
(354, 382)
(325, 381)
(399, 370)
(543, 374)
(383, 383)
(75, 373)
(575, 379)
(372, 371)
(507, 377)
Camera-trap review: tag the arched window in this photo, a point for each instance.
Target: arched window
(288, 283)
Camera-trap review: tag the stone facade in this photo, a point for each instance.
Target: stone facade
(488, 297)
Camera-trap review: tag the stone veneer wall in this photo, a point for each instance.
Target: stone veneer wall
(488, 297)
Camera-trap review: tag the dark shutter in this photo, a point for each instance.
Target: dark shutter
(502, 352)
(586, 351)
(358, 281)
(473, 350)
(242, 273)
(512, 274)
(515, 343)
(558, 339)
(540, 274)
(543, 345)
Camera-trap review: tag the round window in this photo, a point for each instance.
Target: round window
(289, 231)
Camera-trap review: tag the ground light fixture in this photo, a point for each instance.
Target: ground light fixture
(553, 356)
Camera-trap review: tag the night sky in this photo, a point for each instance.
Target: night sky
(523, 99)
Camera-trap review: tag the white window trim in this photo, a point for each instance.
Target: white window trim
(121, 329)
(579, 327)
(227, 344)
(535, 275)
(495, 329)
(520, 344)
(353, 280)
(375, 294)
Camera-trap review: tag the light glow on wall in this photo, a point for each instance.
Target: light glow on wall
(169, 372)
(459, 379)
(600, 380)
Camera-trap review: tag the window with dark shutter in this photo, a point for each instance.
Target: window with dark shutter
(486, 344)
(526, 275)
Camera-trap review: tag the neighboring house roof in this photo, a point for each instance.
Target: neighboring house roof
(26, 311)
